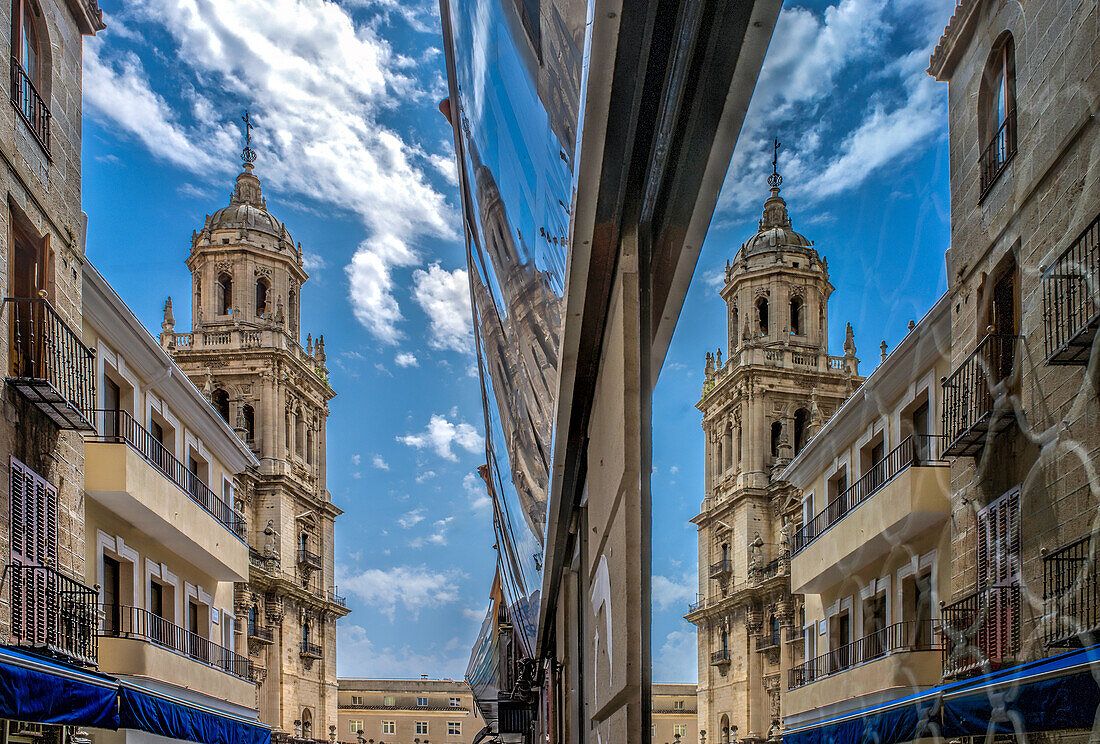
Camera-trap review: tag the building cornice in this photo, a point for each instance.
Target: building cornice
(941, 64)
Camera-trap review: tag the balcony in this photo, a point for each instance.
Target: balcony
(998, 154)
(903, 656)
(134, 476)
(309, 560)
(766, 570)
(1071, 595)
(769, 641)
(310, 650)
(50, 366)
(137, 642)
(794, 634)
(32, 109)
(53, 614)
(260, 633)
(722, 569)
(896, 500)
(335, 598)
(973, 408)
(1071, 299)
(720, 658)
(981, 631)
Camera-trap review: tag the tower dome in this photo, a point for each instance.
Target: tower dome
(775, 230)
(247, 209)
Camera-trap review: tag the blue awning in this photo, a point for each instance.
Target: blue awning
(38, 690)
(141, 708)
(1060, 692)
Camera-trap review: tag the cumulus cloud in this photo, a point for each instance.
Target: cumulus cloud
(406, 359)
(411, 519)
(436, 536)
(475, 489)
(317, 83)
(677, 659)
(413, 587)
(670, 592)
(441, 436)
(378, 462)
(359, 656)
(445, 298)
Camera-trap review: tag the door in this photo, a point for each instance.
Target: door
(875, 643)
(1003, 321)
(112, 398)
(111, 606)
(921, 449)
(27, 282)
(158, 452)
(197, 644)
(155, 619)
(878, 466)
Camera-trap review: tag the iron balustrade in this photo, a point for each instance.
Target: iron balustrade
(723, 567)
(1071, 594)
(795, 634)
(903, 637)
(336, 598)
(698, 604)
(720, 657)
(260, 632)
(916, 450)
(1071, 299)
(33, 110)
(769, 640)
(50, 365)
(120, 427)
(311, 649)
(981, 631)
(761, 572)
(53, 614)
(121, 621)
(308, 558)
(998, 153)
(968, 395)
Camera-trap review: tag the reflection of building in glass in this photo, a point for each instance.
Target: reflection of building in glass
(520, 347)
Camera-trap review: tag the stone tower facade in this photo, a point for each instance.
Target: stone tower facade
(245, 353)
(760, 406)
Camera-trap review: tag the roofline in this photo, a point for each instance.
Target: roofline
(941, 64)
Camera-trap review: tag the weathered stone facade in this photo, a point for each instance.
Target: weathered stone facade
(40, 177)
(777, 386)
(1023, 82)
(245, 353)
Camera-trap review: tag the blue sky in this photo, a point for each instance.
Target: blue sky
(355, 158)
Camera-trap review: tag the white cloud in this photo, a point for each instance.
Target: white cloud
(359, 656)
(406, 359)
(445, 298)
(413, 587)
(475, 489)
(425, 476)
(317, 84)
(378, 462)
(355, 459)
(441, 436)
(671, 592)
(411, 519)
(437, 536)
(677, 659)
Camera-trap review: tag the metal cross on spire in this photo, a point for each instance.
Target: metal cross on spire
(774, 180)
(248, 155)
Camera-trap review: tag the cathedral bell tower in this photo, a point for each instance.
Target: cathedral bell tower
(775, 388)
(244, 352)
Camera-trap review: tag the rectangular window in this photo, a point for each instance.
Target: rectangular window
(678, 705)
(388, 701)
(456, 702)
(680, 730)
(999, 541)
(421, 727)
(422, 702)
(356, 699)
(355, 727)
(454, 728)
(389, 727)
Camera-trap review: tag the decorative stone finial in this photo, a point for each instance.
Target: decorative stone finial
(849, 341)
(319, 350)
(882, 348)
(168, 325)
(708, 370)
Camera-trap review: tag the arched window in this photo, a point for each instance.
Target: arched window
(801, 419)
(27, 50)
(261, 297)
(250, 422)
(725, 551)
(777, 432)
(307, 714)
(735, 330)
(292, 311)
(762, 315)
(303, 542)
(724, 723)
(796, 316)
(221, 403)
(225, 294)
(253, 619)
(300, 440)
(997, 110)
(309, 446)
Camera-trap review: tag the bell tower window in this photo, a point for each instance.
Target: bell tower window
(221, 403)
(777, 433)
(801, 418)
(261, 298)
(225, 294)
(292, 309)
(762, 315)
(796, 316)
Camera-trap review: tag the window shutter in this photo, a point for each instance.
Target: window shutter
(33, 503)
(18, 507)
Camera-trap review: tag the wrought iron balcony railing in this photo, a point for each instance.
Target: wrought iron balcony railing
(1071, 299)
(121, 427)
(698, 604)
(721, 569)
(121, 621)
(998, 153)
(917, 450)
(908, 636)
(1071, 594)
(981, 631)
(32, 109)
(310, 650)
(53, 614)
(970, 412)
(309, 559)
(336, 598)
(261, 633)
(720, 657)
(794, 634)
(50, 366)
(761, 572)
(769, 640)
